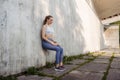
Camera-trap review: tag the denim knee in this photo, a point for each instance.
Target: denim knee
(57, 49)
(61, 49)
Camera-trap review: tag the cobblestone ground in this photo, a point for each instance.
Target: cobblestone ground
(103, 65)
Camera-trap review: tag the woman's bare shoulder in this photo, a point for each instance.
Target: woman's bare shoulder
(44, 27)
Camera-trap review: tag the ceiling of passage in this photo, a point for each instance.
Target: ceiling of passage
(107, 8)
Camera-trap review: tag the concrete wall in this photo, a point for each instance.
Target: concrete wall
(77, 27)
(112, 36)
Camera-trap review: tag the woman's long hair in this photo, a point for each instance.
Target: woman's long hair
(46, 18)
(44, 22)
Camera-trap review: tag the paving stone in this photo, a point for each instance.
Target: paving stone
(94, 67)
(104, 57)
(114, 74)
(117, 51)
(77, 61)
(115, 65)
(82, 75)
(109, 50)
(51, 71)
(88, 57)
(33, 77)
(101, 61)
(117, 55)
(116, 60)
(21, 77)
(107, 54)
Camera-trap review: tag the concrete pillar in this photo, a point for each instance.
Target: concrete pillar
(112, 36)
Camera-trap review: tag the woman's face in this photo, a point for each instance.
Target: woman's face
(50, 21)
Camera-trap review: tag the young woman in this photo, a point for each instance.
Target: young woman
(50, 44)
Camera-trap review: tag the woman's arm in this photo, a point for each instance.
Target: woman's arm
(54, 41)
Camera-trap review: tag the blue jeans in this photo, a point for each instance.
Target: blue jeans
(58, 49)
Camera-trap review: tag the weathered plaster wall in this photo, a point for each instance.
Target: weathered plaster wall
(78, 30)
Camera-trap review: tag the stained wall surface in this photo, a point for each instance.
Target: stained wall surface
(78, 31)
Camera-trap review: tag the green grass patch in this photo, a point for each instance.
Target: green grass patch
(67, 59)
(49, 65)
(8, 78)
(31, 71)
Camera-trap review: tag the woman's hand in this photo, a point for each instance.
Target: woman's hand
(54, 43)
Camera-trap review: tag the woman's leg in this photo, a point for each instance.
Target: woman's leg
(61, 56)
(49, 46)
